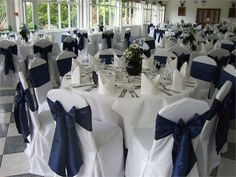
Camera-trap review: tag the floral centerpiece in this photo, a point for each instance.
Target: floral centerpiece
(24, 32)
(134, 59)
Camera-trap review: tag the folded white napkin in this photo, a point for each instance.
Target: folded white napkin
(217, 45)
(178, 80)
(147, 63)
(149, 87)
(119, 62)
(203, 48)
(106, 86)
(162, 42)
(171, 64)
(93, 61)
(76, 75)
(185, 71)
(75, 63)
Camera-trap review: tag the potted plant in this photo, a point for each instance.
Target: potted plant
(134, 60)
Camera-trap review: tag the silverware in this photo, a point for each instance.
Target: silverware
(168, 89)
(167, 93)
(91, 88)
(189, 85)
(82, 85)
(131, 93)
(124, 93)
(121, 93)
(189, 82)
(135, 93)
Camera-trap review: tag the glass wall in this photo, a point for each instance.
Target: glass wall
(57, 14)
(3, 16)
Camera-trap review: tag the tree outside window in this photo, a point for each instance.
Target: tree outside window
(3, 17)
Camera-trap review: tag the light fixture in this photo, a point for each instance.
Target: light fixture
(203, 2)
(195, 1)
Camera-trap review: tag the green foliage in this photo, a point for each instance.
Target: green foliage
(3, 22)
(133, 53)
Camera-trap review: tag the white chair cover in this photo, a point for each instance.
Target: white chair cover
(41, 136)
(64, 62)
(203, 69)
(155, 159)
(102, 149)
(40, 79)
(104, 40)
(10, 79)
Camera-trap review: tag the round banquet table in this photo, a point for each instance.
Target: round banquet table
(127, 112)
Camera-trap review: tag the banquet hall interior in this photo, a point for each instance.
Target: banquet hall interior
(117, 88)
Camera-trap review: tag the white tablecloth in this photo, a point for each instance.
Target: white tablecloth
(132, 112)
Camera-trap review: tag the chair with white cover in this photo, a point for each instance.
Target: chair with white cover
(232, 59)
(203, 69)
(182, 54)
(207, 156)
(221, 56)
(150, 41)
(40, 79)
(45, 49)
(37, 128)
(82, 38)
(227, 45)
(70, 44)
(83, 146)
(64, 61)
(160, 157)
(107, 37)
(9, 64)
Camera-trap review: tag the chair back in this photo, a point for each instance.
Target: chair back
(182, 54)
(70, 44)
(64, 61)
(40, 78)
(227, 45)
(233, 58)
(107, 37)
(82, 38)
(161, 154)
(43, 47)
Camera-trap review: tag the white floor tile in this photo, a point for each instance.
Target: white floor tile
(14, 164)
(6, 99)
(232, 136)
(227, 168)
(2, 144)
(5, 117)
(12, 130)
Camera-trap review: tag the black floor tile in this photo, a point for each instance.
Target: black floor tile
(230, 154)
(6, 107)
(3, 130)
(14, 144)
(7, 92)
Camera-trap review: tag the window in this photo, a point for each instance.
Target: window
(102, 12)
(147, 13)
(130, 12)
(51, 14)
(3, 17)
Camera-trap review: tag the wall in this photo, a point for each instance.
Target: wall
(191, 10)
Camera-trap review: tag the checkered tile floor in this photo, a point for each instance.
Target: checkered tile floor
(14, 163)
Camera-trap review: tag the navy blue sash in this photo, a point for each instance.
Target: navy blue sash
(203, 71)
(63, 36)
(160, 59)
(232, 60)
(81, 40)
(181, 59)
(220, 62)
(101, 28)
(65, 157)
(147, 53)
(229, 47)
(149, 26)
(21, 118)
(43, 51)
(183, 155)
(39, 75)
(160, 34)
(127, 37)
(64, 66)
(108, 38)
(8, 62)
(71, 46)
(108, 58)
(223, 31)
(150, 43)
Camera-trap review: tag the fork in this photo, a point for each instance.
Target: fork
(171, 90)
(131, 92)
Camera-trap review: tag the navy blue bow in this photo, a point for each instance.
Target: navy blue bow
(127, 37)
(149, 26)
(108, 38)
(9, 64)
(21, 119)
(161, 34)
(81, 40)
(65, 157)
(43, 51)
(183, 155)
(71, 46)
(181, 59)
(64, 65)
(229, 47)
